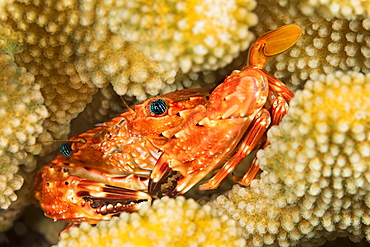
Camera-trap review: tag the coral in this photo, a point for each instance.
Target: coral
(22, 113)
(192, 35)
(325, 46)
(2, 4)
(169, 222)
(315, 183)
(331, 8)
(70, 49)
(46, 51)
(9, 215)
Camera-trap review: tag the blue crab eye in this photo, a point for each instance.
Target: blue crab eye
(158, 107)
(66, 149)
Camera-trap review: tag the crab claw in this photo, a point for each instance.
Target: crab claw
(107, 199)
(63, 196)
(161, 174)
(272, 44)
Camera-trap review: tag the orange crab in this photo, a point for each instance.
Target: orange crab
(167, 144)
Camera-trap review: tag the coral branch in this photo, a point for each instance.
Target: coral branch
(169, 222)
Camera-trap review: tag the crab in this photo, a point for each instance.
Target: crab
(168, 143)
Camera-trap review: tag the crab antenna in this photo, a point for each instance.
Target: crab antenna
(127, 106)
(76, 140)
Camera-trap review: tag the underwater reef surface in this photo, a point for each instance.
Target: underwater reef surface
(64, 54)
(71, 60)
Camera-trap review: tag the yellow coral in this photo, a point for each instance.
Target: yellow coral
(71, 49)
(192, 35)
(47, 51)
(169, 222)
(330, 8)
(315, 182)
(325, 46)
(22, 113)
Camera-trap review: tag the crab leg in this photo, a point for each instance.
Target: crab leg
(247, 144)
(278, 87)
(278, 110)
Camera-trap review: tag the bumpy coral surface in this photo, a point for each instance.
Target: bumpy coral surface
(22, 113)
(192, 35)
(325, 46)
(45, 47)
(70, 49)
(169, 222)
(330, 8)
(315, 183)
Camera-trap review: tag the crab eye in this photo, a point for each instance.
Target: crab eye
(66, 149)
(158, 107)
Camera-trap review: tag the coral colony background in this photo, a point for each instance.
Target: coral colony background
(64, 64)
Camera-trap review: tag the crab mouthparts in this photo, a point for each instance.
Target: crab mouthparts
(167, 187)
(106, 206)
